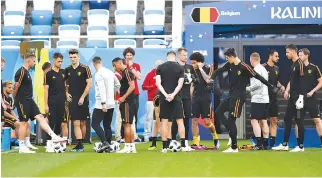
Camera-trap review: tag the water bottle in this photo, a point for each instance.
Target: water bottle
(6, 138)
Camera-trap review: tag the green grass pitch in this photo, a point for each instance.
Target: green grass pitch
(155, 164)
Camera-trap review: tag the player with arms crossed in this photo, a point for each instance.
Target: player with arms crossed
(313, 83)
(26, 106)
(201, 100)
(79, 81)
(239, 75)
(259, 103)
(295, 94)
(273, 78)
(127, 104)
(169, 80)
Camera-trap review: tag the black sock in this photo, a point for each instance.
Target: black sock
(168, 142)
(298, 141)
(215, 142)
(80, 143)
(284, 143)
(154, 141)
(165, 144)
(258, 141)
(183, 143)
(272, 143)
(265, 142)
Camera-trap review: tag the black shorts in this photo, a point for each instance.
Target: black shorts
(312, 105)
(10, 122)
(171, 110)
(273, 108)
(27, 109)
(187, 107)
(56, 112)
(259, 111)
(67, 113)
(232, 104)
(128, 110)
(201, 108)
(79, 112)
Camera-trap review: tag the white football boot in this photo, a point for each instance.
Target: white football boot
(164, 150)
(230, 150)
(25, 150)
(126, 149)
(297, 149)
(280, 147)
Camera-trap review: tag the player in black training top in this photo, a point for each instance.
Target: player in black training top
(201, 99)
(185, 95)
(26, 106)
(128, 104)
(313, 83)
(169, 80)
(55, 95)
(156, 120)
(273, 78)
(79, 81)
(3, 105)
(239, 75)
(294, 93)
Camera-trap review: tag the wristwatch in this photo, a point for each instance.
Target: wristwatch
(103, 103)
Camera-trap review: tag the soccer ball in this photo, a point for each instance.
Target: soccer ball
(115, 146)
(174, 146)
(97, 145)
(59, 147)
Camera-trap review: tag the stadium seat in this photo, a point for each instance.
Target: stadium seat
(153, 22)
(44, 5)
(9, 44)
(70, 17)
(124, 43)
(97, 32)
(41, 17)
(127, 5)
(72, 5)
(14, 18)
(98, 17)
(40, 30)
(99, 4)
(96, 44)
(68, 33)
(16, 5)
(47, 44)
(154, 43)
(125, 17)
(154, 4)
(12, 31)
(67, 44)
(125, 30)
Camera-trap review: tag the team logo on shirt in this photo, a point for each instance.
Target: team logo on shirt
(309, 71)
(238, 72)
(54, 77)
(78, 73)
(63, 75)
(188, 70)
(294, 69)
(276, 72)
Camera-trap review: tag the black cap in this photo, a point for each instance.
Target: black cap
(171, 52)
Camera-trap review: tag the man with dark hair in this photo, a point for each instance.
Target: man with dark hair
(127, 104)
(294, 93)
(201, 100)
(169, 80)
(239, 75)
(312, 83)
(185, 94)
(46, 67)
(106, 84)
(135, 68)
(79, 81)
(26, 106)
(273, 78)
(54, 84)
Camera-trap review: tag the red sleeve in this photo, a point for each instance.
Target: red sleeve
(146, 82)
(138, 67)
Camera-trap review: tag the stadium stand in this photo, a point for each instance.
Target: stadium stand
(41, 17)
(67, 44)
(12, 31)
(67, 31)
(70, 16)
(9, 44)
(96, 44)
(127, 5)
(99, 4)
(98, 17)
(124, 43)
(18, 5)
(153, 22)
(14, 18)
(154, 4)
(76, 5)
(154, 43)
(40, 30)
(99, 32)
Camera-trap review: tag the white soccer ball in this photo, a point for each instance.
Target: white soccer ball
(97, 145)
(115, 146)
(59, 147)
(174, 146)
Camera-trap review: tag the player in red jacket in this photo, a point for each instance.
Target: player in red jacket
(150, 86)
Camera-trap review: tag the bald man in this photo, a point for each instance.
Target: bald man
(150, 86)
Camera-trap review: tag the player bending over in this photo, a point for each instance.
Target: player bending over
(128, 104)
(239, 75)
(313, 83)
(259, 103)
(294, 93)
(156, 121)
(201, 99)
(26, 106)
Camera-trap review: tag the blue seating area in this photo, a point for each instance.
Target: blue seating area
(12, 31)
(96, 44)
(76, 5)
(41, 17)
(70, 17)
(40, 30)
(100, 4)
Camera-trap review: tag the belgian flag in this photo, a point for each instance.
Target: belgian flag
(205, 15)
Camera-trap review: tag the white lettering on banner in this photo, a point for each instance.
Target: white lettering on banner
(229, 13)
(203, 52)
(296, 13)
